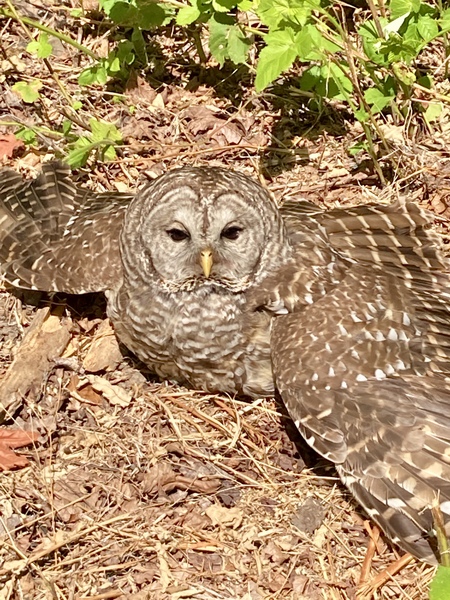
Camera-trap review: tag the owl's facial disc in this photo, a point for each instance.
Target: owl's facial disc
(194, 241)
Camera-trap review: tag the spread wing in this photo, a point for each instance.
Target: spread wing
(362, 364)
(57, 237)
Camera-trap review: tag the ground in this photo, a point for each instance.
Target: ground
(136, 489)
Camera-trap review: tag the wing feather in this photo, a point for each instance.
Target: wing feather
(363, 368)
(58, 237)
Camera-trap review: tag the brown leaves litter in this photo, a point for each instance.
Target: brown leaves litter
(44, 341)
(162, 477)
(10, 146)
(14, 438)
(154, 491)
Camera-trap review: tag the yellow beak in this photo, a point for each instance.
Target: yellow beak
(206, 260)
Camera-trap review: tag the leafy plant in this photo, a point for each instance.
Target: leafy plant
(28, 91)
(41, 47)
(102, 139)
(374, 69)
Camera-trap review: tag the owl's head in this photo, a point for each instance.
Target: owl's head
(202, 226)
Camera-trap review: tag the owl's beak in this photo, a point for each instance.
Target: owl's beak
(206, 261)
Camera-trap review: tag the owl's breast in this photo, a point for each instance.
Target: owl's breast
(206, 339)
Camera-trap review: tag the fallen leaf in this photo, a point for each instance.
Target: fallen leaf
(113, 393)
(228, 517)
(9, 145)
(162, 477)
(104, 353)
(14, 438)
(139, 90)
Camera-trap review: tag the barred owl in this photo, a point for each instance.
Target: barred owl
(343, 312)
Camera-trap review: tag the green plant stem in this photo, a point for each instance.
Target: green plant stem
(444, 39)
(61, 36)
(376, 20)
(439, 526)
(55, 77)
(255, 30)
(382, 8)
(43, 131)
(199, 47)
(352, 74)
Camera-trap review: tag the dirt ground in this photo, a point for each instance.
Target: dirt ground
(136, 489)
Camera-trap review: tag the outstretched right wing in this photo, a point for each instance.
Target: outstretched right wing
(57, 237)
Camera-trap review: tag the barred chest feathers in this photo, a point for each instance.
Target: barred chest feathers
(206, 339)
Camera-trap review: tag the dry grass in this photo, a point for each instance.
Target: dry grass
(179, 495)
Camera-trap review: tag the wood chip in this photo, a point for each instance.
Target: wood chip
(44, 341)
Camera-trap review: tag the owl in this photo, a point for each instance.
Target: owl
(344, 313)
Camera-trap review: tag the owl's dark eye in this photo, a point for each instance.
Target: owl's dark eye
(178, 235)
(231, 233)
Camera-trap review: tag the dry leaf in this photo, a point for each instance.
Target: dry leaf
(104, 353)
(14, 438)
(139, 90)
(162, 477)
(113, 393)
(10, 145)
(229, 517)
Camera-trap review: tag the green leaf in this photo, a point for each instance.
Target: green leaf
(245, 5)
(91, 75)
(320, 44)
(66, 126)
(122, 12)
(238, 45)
(444, 22)
(372, 44)
(440, 585)
(427, 28)
(104, 131)
(377, 99)
(362, 115)
(29, 92)
(219, 26)
(357, 148)
(125, 50)
(41, 47)
(223, 5)
(310, 78)
(153, 15)
(293, 12)
(77, 105)
(114, 64)
(138, 48)
(109, 153)
(328, 81)
(305, 45)
(402, 7)
(432, 113)
(395, 25)
(28, 136)
(79, 155)
(276, 57)
(187, 15)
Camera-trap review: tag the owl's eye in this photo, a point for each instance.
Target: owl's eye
(178, 235)
(231, 233)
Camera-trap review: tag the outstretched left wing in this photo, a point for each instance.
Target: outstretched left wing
(58, 237)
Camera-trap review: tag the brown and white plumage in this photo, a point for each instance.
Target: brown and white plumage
(344, 312)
